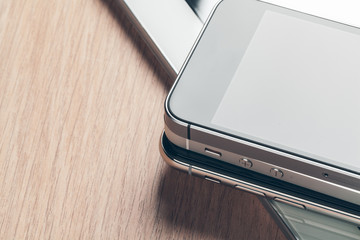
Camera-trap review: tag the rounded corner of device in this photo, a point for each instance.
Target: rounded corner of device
(216, 7)
(175, 124)
(217, 4)
(168, 159)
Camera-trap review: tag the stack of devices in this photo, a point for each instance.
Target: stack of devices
(266, 102)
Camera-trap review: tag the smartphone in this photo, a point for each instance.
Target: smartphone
(275, 91)
(157, 26)
(300, 213)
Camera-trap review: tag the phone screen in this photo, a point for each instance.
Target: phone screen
(297, 88)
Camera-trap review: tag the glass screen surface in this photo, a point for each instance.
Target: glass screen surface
(306, 224)
(297, 87)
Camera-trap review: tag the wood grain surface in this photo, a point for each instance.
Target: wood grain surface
(81, 112)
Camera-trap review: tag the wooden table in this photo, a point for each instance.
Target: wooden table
(81, 112)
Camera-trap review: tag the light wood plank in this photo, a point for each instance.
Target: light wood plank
(81, 112)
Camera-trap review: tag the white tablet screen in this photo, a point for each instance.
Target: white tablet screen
(298, 88)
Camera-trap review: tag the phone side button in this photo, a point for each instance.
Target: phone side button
(212, 180)
(250, 190)
(290, 203)
(212, 152)
(277, 173)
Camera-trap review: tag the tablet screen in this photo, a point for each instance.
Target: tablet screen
(297, 87)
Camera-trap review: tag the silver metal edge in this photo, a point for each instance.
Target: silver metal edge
(175, 125)
(319, 185)
(276, 157)
(269, 193)
(275, 194)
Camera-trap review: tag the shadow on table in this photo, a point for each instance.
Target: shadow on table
(130, 30)
(193, 207)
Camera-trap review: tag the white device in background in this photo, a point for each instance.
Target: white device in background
(170, 28)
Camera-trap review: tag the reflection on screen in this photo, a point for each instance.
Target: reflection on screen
(306, 224)
(297, 88)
